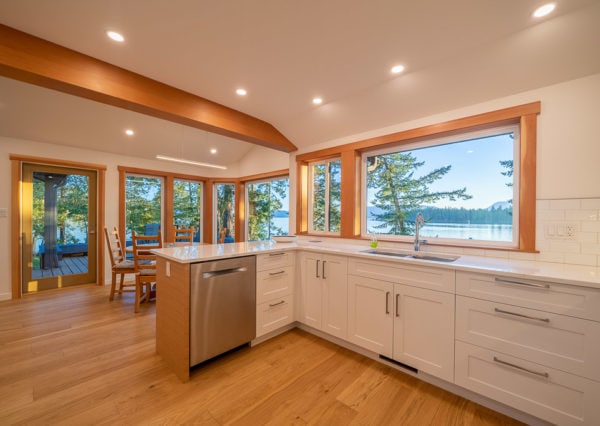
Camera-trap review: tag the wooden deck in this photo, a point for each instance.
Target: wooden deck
(68, 265)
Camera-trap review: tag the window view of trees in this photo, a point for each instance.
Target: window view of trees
(72, 209)
(325, 196)
(187, 205)
(60, 214)
(143, 205)
(268, 209)
(225, 213)
(461, 188)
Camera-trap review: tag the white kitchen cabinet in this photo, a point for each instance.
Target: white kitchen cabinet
(531, 344)
(324, 293)
(558, 341)
(410, 324)
(550, 394)
(370, 320)
(424, 330)
(275, 278)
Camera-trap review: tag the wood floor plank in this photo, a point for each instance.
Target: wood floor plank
(72, 357)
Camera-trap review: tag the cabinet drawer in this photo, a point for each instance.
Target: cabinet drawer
(580, 302)
(277, 259)
(562, 342)
(274, 283)
(432, 278)
(549, 394)
(274, 314)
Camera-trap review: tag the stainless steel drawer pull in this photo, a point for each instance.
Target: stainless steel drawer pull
(271, 305)
(317, 269)
(276, 273)
(387, 302)
(324, 268)
(276, 254)
(505, 281)
(537, 373)
(397, 305)
(501, 311)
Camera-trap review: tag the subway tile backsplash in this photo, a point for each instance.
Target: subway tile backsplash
(568, 231)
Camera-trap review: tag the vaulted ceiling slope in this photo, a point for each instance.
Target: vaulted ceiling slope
(285, 52)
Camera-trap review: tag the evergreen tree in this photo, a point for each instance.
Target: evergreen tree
(264, 199)
(143, 197)
(186, 204)
(319, 211)
(226, 209)
(399, 194)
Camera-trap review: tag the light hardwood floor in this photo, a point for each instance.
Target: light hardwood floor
(72, 357)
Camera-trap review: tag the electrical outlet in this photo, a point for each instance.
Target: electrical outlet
(560, 231)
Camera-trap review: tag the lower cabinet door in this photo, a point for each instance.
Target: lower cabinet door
(424, 330)
(274, 314)
(541, 391)
(370, 320)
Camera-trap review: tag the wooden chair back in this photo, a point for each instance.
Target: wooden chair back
(119, 265)
(183, 235)
(144, 264)
(114, 246)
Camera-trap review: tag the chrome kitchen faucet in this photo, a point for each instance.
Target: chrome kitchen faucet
(418, 223)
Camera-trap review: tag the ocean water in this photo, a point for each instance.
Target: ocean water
(464, 231)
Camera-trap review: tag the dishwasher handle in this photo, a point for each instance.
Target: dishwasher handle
(211, 274)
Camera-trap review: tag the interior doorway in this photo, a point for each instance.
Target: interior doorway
(59, 217)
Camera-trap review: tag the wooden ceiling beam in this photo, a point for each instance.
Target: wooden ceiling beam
(33, 60)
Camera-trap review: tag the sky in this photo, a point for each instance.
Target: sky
(475, 166)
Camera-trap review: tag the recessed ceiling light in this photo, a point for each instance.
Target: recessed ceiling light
(115, 36)
(129, 132)
(544, 10)
(317, 101)
(241, 92)
(397, 69)
(213, 151)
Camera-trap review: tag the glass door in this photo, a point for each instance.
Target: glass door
(59, 227)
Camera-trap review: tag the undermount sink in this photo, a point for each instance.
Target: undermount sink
(420, 256)
(436, 257)
(388, 252)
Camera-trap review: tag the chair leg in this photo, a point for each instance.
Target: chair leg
(121, 281)
(113, 284)
(138, 295)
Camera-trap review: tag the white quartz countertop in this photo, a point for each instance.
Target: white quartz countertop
(586, 276)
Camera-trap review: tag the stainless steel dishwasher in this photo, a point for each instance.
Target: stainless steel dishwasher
(222, 306)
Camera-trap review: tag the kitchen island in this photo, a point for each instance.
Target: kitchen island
(522, 333)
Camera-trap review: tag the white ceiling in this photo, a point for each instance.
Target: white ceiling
(284, 52)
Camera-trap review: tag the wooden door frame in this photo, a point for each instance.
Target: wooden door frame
(16, 209)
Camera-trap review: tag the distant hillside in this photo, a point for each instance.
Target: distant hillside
(501, 205)
(498, 213)
(281, 213)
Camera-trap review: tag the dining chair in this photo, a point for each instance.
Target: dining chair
(119, 264)
(183, 236)
(144, 265)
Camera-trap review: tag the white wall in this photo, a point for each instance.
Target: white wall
(260, 160)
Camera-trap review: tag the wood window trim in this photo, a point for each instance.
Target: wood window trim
(243, 183)
(16, 202)
(525, 115)
(209, 182)
(169, 179)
